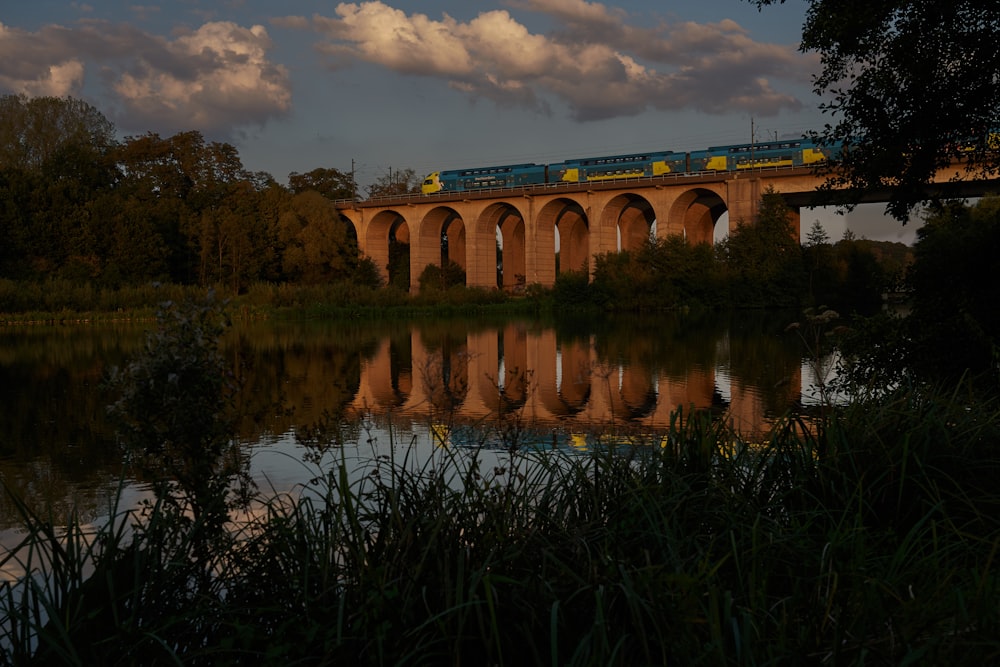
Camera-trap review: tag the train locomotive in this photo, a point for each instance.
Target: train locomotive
(793, 153)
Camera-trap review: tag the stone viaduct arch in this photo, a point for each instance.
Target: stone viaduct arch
(580, 220)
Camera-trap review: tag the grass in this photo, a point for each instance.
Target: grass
(869, 539)
(63, 301)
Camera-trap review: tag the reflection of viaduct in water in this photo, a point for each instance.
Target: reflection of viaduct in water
(548, 382)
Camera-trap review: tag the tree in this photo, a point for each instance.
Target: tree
(319, 245)
(398, 182)
(913, 85)
(54, 159)
(955, 322)
(817, 236)
(177, 414)
(763, 258)
(330, 183)
(33, 130)
(183, 182)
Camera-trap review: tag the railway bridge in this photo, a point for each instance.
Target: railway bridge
(577, 220)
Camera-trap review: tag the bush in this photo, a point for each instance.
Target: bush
(441, 278)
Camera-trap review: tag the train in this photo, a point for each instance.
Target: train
(790, 153)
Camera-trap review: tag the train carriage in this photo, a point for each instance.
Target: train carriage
(617, 166)
(485, 178)
(794, 153)
(788, 153)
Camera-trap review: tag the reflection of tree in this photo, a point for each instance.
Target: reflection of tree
(671, 343)
(764, 359)
(445, 374)
(57, 449)
(313, 369)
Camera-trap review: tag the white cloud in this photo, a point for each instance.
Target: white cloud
(596, 63)
(212, 79)
(227, 80)
(29, 68)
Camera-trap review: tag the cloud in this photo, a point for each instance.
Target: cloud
(213, 79)
(596, 63)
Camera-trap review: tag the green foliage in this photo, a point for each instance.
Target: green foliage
(367, 274)
(177, 414)
(763, 260)
(912, 84)
(440, 278)
(395, 182)
(955, 322)
(572, 290)
(319, 245)
(330, 183)
(662, 274)
(38, 131)
(953, 327)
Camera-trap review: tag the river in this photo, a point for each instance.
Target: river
(411, 386)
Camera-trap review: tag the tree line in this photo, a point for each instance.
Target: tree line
(80, 205)
(759, 265)
(76, 203)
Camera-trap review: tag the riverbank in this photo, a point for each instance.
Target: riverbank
(65, 302)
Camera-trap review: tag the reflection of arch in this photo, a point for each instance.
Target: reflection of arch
(446, 375)
(694, 215)
(385, 227)
(516, 374)
(401, 367)
(631, 216)
(637, 391)
(430, 249)
(510, 221)
(388, 375)
(575, 374)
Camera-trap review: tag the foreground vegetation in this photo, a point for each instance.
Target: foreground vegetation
(868, 538)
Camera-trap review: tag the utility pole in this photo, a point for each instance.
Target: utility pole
(354, 183)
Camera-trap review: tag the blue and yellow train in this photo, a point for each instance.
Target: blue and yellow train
(794, 153)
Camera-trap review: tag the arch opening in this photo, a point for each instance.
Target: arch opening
(695, 214)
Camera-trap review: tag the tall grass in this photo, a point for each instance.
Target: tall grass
(871, 539)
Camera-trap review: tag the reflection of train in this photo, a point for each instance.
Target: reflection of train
(793, 153)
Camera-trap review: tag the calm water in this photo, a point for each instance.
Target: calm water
(402, 385)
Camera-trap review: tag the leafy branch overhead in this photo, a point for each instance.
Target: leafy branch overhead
(912, 86)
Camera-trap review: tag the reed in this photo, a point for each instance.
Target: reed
(870, 538)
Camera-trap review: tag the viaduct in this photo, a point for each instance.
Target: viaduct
(579, 220)
(587, 218)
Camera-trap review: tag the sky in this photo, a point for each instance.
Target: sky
(386, 85)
